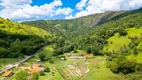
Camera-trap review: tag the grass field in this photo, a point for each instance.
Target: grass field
(137, 57)
(100, 71)
(132, 32)
(116, 42)
(48, 51)
(6, 61)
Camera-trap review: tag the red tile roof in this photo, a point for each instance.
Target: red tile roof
(7, 73)
(38, 69)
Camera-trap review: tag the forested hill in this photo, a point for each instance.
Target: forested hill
(17, 40)
(80, 26)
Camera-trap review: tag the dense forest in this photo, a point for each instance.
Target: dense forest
(117, 35)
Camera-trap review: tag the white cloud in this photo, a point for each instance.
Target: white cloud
(81, 4)
(69, 17)
(135, 3)
(11, 3)
(65, 11)
(22, 10)
(87, 7)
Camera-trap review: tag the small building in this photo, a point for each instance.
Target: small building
(38, 61)
(76, 57)
(7, 74)
(38, 69)
(62, 59)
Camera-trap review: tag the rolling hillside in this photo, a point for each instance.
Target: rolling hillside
(80, 26)
(17, 40)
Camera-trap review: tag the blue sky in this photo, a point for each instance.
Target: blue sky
(25, 10)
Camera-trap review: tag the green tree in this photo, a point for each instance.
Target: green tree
(41, 73)
(47, 69)
(42, 56)
(35, 76)
(22, 75)
(135, 51)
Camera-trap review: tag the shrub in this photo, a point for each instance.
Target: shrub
(47, 69)
(41, 73)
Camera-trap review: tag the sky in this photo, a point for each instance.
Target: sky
(27, 10)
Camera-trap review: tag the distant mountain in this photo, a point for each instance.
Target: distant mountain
(80, 26)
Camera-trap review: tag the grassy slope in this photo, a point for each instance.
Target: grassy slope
(132, 32)
(118, 41)
(136, 32)
(101, 72)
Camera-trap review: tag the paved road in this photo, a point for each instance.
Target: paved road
(19, 62)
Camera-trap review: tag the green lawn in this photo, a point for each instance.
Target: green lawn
(101, 72)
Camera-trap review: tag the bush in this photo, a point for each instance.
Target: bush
(135, 51)
(123, 32)
(134, 76)
(41, 73)
(35, 76)
(47, 69)
(22, 75)
(50, 60)
(42, 56)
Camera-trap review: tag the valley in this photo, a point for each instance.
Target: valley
(104, 46)
(94, 66)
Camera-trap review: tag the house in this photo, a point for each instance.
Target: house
(7, 74)
(38, 69)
